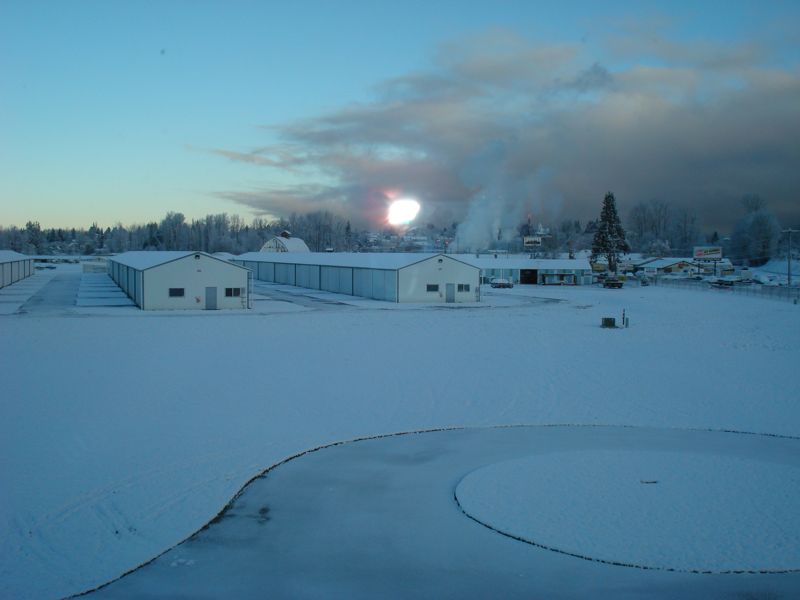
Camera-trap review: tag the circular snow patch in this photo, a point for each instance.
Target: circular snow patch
(667, 510)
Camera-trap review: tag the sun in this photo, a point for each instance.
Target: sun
(402, 212)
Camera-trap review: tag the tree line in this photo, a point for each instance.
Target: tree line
(213, 233)
(653, 228)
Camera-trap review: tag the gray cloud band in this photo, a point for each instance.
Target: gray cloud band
(501, 128)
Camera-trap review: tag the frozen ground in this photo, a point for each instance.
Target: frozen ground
(679, 508)
(377, 519)
(122, 432)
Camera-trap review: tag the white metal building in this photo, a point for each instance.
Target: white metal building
(393, 277)
(539, 271)
(180, 280)
(13, 267)
(285, 243)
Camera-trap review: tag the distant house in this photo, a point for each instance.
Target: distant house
(285, 243)
(394, 277)
(180, 280)
(664, 266)
(14, 267)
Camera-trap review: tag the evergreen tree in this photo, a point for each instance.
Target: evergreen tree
(609, 240)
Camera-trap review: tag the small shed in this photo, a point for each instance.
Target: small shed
(14, 267)
(180, 280)
(393, 277)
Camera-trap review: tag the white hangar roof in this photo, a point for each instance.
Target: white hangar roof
(11, 256)
(142, 260)
(560, 264)
(365, 260)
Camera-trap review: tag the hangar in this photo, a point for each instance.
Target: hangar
(13, 267)
(180, 280)
(393, 277)
(537, 271)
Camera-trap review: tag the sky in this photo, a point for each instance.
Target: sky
(122, 111)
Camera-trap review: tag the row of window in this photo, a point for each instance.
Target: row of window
(434, 287)
(229, 292)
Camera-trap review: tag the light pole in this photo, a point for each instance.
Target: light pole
(790, 231)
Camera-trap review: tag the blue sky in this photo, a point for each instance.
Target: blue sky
(114, 111)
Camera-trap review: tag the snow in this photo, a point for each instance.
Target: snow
(142, 259)
(376, 518)
(11, 256)
(103, 466)
(365, 260)
(681, 510)
(523, 262)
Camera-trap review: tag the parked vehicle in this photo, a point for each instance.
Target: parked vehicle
(612, 283)
(501, 283)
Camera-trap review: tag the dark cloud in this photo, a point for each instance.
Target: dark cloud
(501, 127)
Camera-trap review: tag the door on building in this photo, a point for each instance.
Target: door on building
(450, 292)
(529, 276)
(211, 298)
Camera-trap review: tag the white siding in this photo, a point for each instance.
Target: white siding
(414, 280)
(193, 275)
(373, 282)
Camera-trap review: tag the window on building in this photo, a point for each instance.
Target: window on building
(463, 287)
(233, 292)
(176, 292)
(432, 287)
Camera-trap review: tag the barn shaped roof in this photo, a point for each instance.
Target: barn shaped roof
(291, 244)
(142, 260)
(11, 256)
(366, 260)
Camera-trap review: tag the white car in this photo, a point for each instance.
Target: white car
(501, 283)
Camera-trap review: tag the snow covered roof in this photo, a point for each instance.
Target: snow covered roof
(365, 260)
(11, 256)
(223, 255)
(513, 262)
(663, 263)
(289, 244)
(144, 259)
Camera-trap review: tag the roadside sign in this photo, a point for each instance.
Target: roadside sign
(708, 252)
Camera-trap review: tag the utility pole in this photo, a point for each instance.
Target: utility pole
(790, 231)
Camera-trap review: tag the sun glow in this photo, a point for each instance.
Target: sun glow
(402, 212)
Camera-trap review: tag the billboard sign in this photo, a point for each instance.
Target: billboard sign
(708, 252)
(532, 241)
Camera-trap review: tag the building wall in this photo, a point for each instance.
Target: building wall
(338, 280)
(194, 275)
(545, 276)
(378, 284)
(438, 270)
(14, 271)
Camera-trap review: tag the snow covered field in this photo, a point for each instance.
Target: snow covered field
(123, 432)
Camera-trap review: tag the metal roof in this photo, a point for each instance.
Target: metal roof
(518, 262)
(661, 263)
(142, 260)
(391, 261)
(290, 244)
(11, 256)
